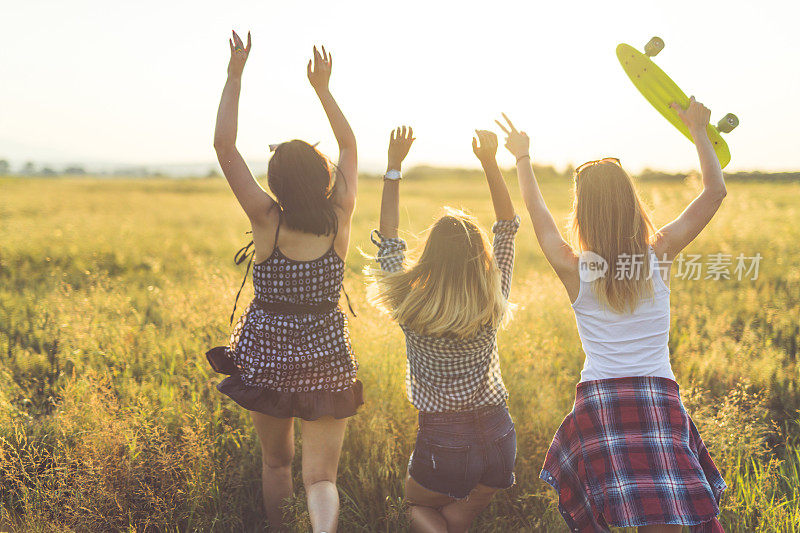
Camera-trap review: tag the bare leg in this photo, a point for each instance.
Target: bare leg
(460, 514)
(661, 528)
(426, 520)
(424, 508)
(277, 451)
(322, 445)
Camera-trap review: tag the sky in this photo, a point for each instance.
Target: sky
(139, 82)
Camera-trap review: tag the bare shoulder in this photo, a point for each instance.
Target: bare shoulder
(344, 212)
(264, 227)
(660, 244)
(268, 219)
(567, 266)
(341, 242)
(564, 259)
(344, 199)
(571, 279)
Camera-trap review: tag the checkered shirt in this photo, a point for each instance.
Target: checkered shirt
(450, 374)
(629, 455)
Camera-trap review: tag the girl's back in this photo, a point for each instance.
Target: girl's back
(450, 303)
(625, 344)
(290, 355)
(306, 274)
(628, 438)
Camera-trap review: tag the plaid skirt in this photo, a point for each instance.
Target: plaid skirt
(628, 455)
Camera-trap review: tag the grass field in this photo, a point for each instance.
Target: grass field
(112, 290)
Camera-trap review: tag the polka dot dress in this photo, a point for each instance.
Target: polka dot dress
(295, 352)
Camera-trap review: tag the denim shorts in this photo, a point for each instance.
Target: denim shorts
(456, 451)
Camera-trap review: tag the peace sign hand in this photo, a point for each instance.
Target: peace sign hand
(320, 74)
(517, 142)
(239, 53)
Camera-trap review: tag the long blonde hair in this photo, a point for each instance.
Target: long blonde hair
(609, 219)
(452, 289)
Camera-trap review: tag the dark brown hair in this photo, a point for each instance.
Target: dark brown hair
(301, 179)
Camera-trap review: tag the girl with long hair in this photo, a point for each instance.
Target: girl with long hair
(628, 455)
(450, 302)
(289, 354)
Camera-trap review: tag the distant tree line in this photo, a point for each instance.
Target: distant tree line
(32, 169)
(655, 175)
(543, 172)
(549, 172)
(29, 168)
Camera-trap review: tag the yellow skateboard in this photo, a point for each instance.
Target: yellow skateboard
(661, 91)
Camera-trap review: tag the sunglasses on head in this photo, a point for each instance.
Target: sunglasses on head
(597, 161)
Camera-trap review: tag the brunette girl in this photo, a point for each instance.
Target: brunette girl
(289, 355)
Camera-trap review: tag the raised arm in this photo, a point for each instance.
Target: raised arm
(676, 235)
(558, 253)
(505, 229)
(254, 200)
(390, 247)
(399, 144)
(319, 75)
(485, 148)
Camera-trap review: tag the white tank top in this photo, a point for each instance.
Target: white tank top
(625, 345)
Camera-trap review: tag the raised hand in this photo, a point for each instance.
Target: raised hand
(676, 235)
(695, 117)
(484, 145)
(239, 53)
(399, 144)
(517, 142)
(320, 74)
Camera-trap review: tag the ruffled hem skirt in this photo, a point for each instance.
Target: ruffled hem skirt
(306, 405)
(309, 405)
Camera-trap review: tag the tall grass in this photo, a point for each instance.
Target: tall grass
(111, 291)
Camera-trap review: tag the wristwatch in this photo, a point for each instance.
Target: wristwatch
(393, 175)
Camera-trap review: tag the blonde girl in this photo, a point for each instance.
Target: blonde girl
(450, 302)
(628, 455)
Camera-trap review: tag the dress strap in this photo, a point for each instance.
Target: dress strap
(346, 296)
(349, 305)
(277, 229)
(248, 251)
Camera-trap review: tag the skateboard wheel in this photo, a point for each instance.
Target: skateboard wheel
(727, 123)
(653, 47)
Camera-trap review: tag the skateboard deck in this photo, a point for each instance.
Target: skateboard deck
(661, 91)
